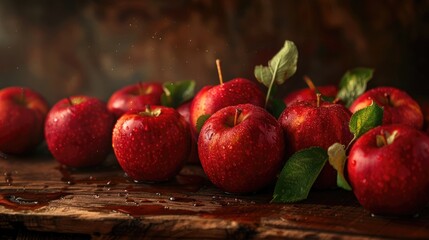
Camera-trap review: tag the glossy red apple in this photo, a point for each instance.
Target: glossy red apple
(22, 116)
(316, 123)
(307, 94)
(388, 168)
(135, 97)
(241, 148)
(210, 99)
(152, 145)
(398, 106)
(184, 110)
(78, 131)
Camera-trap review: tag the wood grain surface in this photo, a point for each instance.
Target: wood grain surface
(40, 199)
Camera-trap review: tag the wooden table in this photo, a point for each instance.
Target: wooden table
(39, 199)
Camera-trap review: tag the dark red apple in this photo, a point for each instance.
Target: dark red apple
(213, 98)
(184, 110)
(398, 106)
(22, 116)
(316, 123)
(152, 145)
(241, 148)
(307, 94)
(388, 168)
(78, 131)
(135, 97)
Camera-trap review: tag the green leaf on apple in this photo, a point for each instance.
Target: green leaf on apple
(281, 67)
(201, 120)
(299, 174)
(337, 159)
(353, 83)
(276, 107)
(176, 93)
(365, 119)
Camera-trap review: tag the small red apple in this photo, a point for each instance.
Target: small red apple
(210, 99)
(152, 145)
(78, 131)
(398, 106)
(310, 94)
(135, 97)
(316, 123)
(241, 148)
(22, 116)
(184, 110)
(388, 168)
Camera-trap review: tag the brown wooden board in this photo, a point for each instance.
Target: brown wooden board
(38, 196)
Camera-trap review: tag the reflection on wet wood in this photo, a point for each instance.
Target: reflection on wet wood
(40, 198)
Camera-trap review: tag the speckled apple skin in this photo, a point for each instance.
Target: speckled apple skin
(306, 125)
(129, 98)
(152, 148)
(79, 135)
(400, 109)
(242, 158)
(213, 98)
(22, 117)
(308, 94)
(392, 179)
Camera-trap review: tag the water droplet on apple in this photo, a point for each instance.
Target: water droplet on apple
(55, 119)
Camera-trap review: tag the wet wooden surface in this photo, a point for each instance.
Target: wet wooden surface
(39, 199)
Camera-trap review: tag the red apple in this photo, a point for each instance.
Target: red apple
(398, 106)
(388, 168)
(241, 148)
(213, 98)
(310, 94)
(316, 123)
(78, 131)
(184, 110)
(22, 115)
(135, 97)
(152, 145)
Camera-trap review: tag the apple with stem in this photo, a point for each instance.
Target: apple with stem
(135, 97)
(310, 92)
(316, 123)
(388, 168)
(241, 148)
(213, 98)
(153, 144)
(22, 116)
(78, 131)
(398, 106)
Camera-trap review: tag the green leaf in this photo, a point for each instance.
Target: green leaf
(276, 107)
(176, 93)
(299, 174)
(353, 83)
(337, 159)
(201, 120)
(365, 119)
(281, 67)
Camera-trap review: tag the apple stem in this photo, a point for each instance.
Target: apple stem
(318, 95)
(23, 95)
(70, 101)
(219, 71)
(381, 140)
(147, 108)
(237, 114)
(309, 83)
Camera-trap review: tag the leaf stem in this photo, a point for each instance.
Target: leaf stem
(219, 71)
(267, 98)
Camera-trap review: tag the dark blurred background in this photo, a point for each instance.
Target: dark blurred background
(63, 48)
